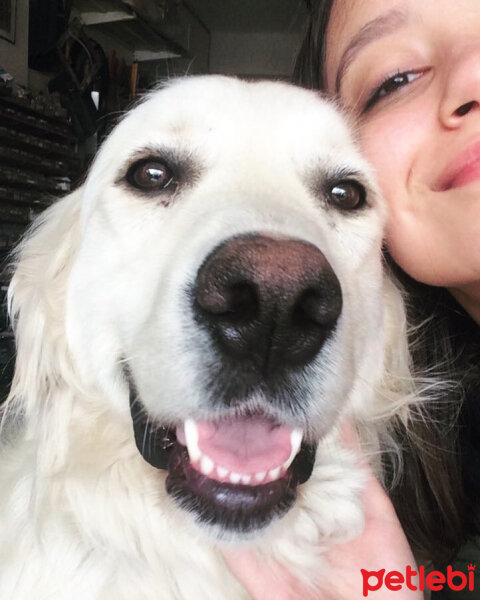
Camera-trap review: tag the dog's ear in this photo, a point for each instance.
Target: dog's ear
(36, 301)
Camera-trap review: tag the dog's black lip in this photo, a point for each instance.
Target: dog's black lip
(154, 442)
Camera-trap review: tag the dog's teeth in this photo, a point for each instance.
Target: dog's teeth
(191, 439)
(246, 479)
(295, 442)
(235, 477)
(259, 477)
(206, 465)
(222, 472)
(274, 474)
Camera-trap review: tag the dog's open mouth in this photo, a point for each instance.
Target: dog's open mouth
(237, 473)
(249, 450)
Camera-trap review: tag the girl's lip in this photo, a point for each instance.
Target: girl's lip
(464, 169)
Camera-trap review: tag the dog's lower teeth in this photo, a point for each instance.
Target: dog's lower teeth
(235, 478)
(222, 472)
(207, 467)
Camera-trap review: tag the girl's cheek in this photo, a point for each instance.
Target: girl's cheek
(391, 148)
(384, 142)
(401, 240)
(392, 143)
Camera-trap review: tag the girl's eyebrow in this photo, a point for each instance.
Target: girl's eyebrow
(379, 27)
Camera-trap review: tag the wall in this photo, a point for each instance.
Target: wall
(254, 54)
(195, 38)
(14, 57)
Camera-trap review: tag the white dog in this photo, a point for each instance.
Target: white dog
(193, 324)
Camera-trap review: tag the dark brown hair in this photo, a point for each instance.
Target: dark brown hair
(437, 496)
(437, 491)
(310, 63)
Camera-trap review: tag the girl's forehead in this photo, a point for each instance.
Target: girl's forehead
(354, 25)
(349, 17)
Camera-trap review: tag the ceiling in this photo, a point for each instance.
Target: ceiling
(250, 16)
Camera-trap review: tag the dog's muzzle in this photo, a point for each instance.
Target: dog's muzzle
(267, 304)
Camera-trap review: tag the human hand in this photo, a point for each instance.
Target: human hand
(382, 545)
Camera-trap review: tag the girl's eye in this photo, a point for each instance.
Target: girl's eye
(391, 85)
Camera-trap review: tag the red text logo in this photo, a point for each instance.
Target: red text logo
(418, 580)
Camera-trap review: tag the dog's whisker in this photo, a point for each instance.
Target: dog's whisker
(145, 435)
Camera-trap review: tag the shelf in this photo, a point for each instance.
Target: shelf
(30, 143)
(102, 18)
(24, 179)
(55, 116)
(9, 235)
(144, 31)
(37, 163)
(29, 123)
(16, 213)
(31, 198)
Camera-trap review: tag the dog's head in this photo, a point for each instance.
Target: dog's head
(226, 288)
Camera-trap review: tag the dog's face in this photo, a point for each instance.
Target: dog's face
(228, 287)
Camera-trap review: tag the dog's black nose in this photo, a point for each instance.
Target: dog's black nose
(269, 300)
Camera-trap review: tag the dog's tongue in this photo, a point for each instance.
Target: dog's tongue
(246, 445)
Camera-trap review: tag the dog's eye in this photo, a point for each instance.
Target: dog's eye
(347, 195)
(150, 175)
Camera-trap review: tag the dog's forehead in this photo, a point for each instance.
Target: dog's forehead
(219, 109)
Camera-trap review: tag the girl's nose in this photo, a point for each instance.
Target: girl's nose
(461, 95)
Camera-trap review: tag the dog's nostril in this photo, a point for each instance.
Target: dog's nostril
(234, 301)
(320, 306)
(242, 301)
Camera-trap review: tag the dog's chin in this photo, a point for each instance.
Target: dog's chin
(239, 507)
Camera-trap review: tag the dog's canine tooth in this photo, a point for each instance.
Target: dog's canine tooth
(222, 472)
(235, 477)
(295, 441)
(246, 479)
(206, 465)
(191, 438)
(259, 477)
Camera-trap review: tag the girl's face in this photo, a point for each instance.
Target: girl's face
(410, 72)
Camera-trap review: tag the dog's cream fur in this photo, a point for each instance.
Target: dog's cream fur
(99, 280)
